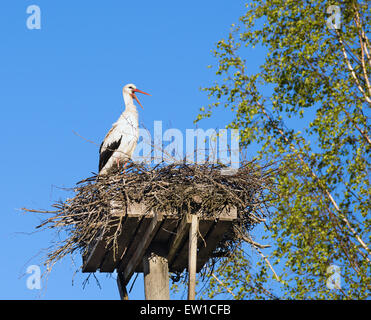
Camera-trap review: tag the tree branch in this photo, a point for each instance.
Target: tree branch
(358, 84)
(328, 194)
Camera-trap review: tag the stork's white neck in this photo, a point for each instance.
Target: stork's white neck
(129, 103)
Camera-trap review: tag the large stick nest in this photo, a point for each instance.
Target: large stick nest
(175, 188)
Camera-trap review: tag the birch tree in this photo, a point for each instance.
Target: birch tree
(308, 110)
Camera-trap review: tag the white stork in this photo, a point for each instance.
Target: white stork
(119, 144)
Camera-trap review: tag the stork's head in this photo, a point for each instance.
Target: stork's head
(130, 89)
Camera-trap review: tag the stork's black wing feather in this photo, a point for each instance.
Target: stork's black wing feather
(107, 153)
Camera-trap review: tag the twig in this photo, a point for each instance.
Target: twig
(224, 285)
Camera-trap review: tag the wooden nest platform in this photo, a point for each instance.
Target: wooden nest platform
(113, 220)
(141, 229)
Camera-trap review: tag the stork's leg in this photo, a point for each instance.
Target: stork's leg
(118, 163)
(125, 165)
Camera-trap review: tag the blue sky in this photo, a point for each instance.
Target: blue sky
(68, 76)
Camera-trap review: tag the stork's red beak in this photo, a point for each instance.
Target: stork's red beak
(135, 97)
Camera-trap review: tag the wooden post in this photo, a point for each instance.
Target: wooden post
(122, 287)
(192, 257)
(156, 274)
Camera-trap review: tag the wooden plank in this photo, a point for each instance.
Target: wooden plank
(99, 250)
(192, 257)
(206, 223)
(96, 255)
(140, 247)
(178, 240)
(214, 237)
(228, 214)
(137, 239)
(133, 213)
(167, 229)
(180, 262)
(165, 232)
(204, 227)
(93, 258)
(134, 209)
(113, 257)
